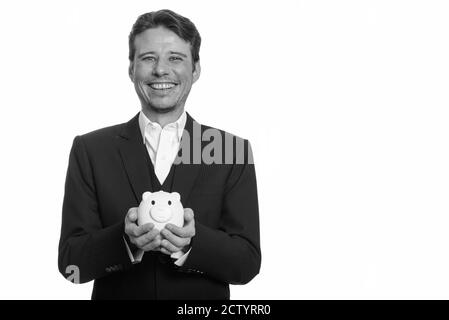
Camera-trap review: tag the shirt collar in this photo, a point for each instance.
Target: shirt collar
(146, 124)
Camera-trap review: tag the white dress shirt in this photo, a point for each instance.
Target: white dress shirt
(162, 145)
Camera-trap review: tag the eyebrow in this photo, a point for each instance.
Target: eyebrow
(179, 53)
(153, 52)
(144, 53)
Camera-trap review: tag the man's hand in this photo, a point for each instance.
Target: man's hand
(145, 237)
(178, 239)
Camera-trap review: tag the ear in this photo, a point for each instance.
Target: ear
(196, 71)
(146, 195)
(175, 196)
(131, 71)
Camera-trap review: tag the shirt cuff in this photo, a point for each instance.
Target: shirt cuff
(137, 256)
(182, 259)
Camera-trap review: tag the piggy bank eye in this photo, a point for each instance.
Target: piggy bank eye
(152, 202)
(169, 202)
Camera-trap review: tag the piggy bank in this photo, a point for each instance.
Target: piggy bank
(161, 208)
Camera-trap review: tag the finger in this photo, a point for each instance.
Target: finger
(145, 238)
(131, 216)
(133, 230)
(188, 220)
(148, 237)
(145, 228)
(165, 251)
(169, 246)
(188, 231)
(153, 245)
(175, 240)
(188, 214)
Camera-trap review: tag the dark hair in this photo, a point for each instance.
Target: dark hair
(183, 27)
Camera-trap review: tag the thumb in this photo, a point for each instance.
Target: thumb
(132, 214)
(188, 214)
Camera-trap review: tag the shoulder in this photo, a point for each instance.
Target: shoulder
(103, 134)
(129, 129)
(100, 140)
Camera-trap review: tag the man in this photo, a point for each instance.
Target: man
(161, 148)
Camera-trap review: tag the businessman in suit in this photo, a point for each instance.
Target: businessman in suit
(161, 148)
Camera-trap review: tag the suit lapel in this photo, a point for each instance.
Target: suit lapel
(185, 174)
(132, 151)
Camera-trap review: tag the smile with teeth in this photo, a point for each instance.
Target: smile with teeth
(162, 85)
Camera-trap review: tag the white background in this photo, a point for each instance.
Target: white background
(345, 103)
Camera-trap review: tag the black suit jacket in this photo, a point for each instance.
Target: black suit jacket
(108, 173)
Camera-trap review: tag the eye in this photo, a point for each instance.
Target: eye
(175, 58)
(148, 58)
(169, 202)
(153, 202)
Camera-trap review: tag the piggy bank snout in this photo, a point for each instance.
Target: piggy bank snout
(160, 214)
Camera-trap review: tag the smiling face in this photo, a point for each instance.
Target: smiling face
(162, 70)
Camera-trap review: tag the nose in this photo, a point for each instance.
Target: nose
(160, 214)
(160, 68)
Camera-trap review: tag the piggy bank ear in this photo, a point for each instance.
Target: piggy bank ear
(175, 196)
(146, 195)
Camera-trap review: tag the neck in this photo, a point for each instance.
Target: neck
(162, 118)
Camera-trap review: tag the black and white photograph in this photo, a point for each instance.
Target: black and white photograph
(238, 150)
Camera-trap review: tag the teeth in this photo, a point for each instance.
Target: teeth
(162, 86)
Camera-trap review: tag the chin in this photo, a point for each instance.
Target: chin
(162, 109)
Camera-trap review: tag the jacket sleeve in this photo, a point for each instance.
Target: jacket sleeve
(85, 244)
(231, 253)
